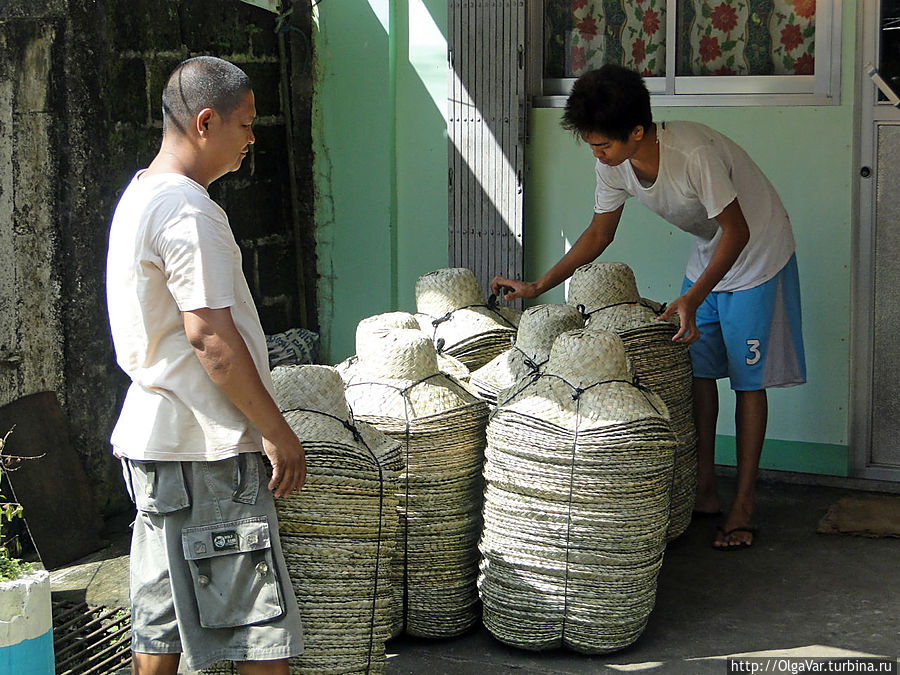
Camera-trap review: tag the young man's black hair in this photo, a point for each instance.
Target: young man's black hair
(610, 101)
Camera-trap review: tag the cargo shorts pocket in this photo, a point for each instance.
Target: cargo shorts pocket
(233, 572)
(156, 487)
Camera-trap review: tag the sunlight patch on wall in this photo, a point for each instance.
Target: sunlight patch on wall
(382, 11)
(428, 53)
(466, 112)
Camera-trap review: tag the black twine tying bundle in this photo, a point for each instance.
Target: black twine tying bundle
(350, 426)
(491, 306)
(569, 516)
(529, 362)
(576, 396)
(578, 391)
(585, 315)
(407, 404)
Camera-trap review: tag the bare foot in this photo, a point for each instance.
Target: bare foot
(737, 531)
(735, 538)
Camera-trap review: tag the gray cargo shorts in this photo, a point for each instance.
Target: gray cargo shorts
(208, 577)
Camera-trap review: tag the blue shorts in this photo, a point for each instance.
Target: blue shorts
(752, 336)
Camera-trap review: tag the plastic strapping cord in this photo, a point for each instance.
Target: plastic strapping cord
(404, 392)
(587, 315)
(352, 428)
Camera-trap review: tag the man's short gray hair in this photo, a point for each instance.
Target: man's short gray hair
(198, 83)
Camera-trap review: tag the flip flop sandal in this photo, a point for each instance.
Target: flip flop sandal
(736, 546)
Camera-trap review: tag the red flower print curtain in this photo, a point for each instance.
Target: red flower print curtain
(715, 37)
(793, 29)
(718, 36)
(631, 33)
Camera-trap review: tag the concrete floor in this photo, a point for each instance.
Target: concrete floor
(811, 594)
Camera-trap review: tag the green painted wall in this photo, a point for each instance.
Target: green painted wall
(381, 159)
(382, 204)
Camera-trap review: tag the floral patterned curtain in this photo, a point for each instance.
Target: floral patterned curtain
(716, 37)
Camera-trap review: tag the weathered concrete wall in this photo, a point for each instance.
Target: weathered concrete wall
(31, 328)
(108, 61)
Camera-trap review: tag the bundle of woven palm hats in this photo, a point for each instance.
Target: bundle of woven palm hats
(578, 470)
(607, 293)
(538, 328)
(453, 312)
(389, 321)
(399, 390)
(339, 532)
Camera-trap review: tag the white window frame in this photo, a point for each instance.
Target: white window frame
(823, 88)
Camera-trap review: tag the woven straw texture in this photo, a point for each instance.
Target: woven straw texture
(664, 367)
(379, 324)
(441, 426)
(339, 531)
(607, 292)
(453, 312)
(600, 284)
(539, 327)
(578, 472)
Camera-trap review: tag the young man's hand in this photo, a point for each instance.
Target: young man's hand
(688, 332)
(513, 288)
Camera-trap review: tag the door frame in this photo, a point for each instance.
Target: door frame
(870, 114)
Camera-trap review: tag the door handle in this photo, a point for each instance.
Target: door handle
(885, 88)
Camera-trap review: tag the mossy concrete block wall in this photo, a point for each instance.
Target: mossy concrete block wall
(106, 63)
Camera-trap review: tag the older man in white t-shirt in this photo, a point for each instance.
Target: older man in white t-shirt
(208, 578)
(739, 308)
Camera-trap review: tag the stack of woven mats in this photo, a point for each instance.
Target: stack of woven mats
(454, 313)
(538, 328)
(388, 321)
(398, 389)
(339, 532)
(578, 469)
(607, 294)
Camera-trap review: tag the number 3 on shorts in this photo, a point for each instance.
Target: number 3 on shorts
(753, 348)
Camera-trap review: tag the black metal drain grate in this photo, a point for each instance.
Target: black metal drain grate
(90, 640)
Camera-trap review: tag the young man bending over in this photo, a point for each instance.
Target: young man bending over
(739, 306)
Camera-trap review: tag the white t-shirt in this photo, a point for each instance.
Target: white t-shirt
(700, 173)
(171, 249)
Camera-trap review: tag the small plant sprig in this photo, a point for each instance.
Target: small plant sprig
(10, 567)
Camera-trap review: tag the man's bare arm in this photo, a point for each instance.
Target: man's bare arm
(593, 241)
(226, 359)
(735, 235)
